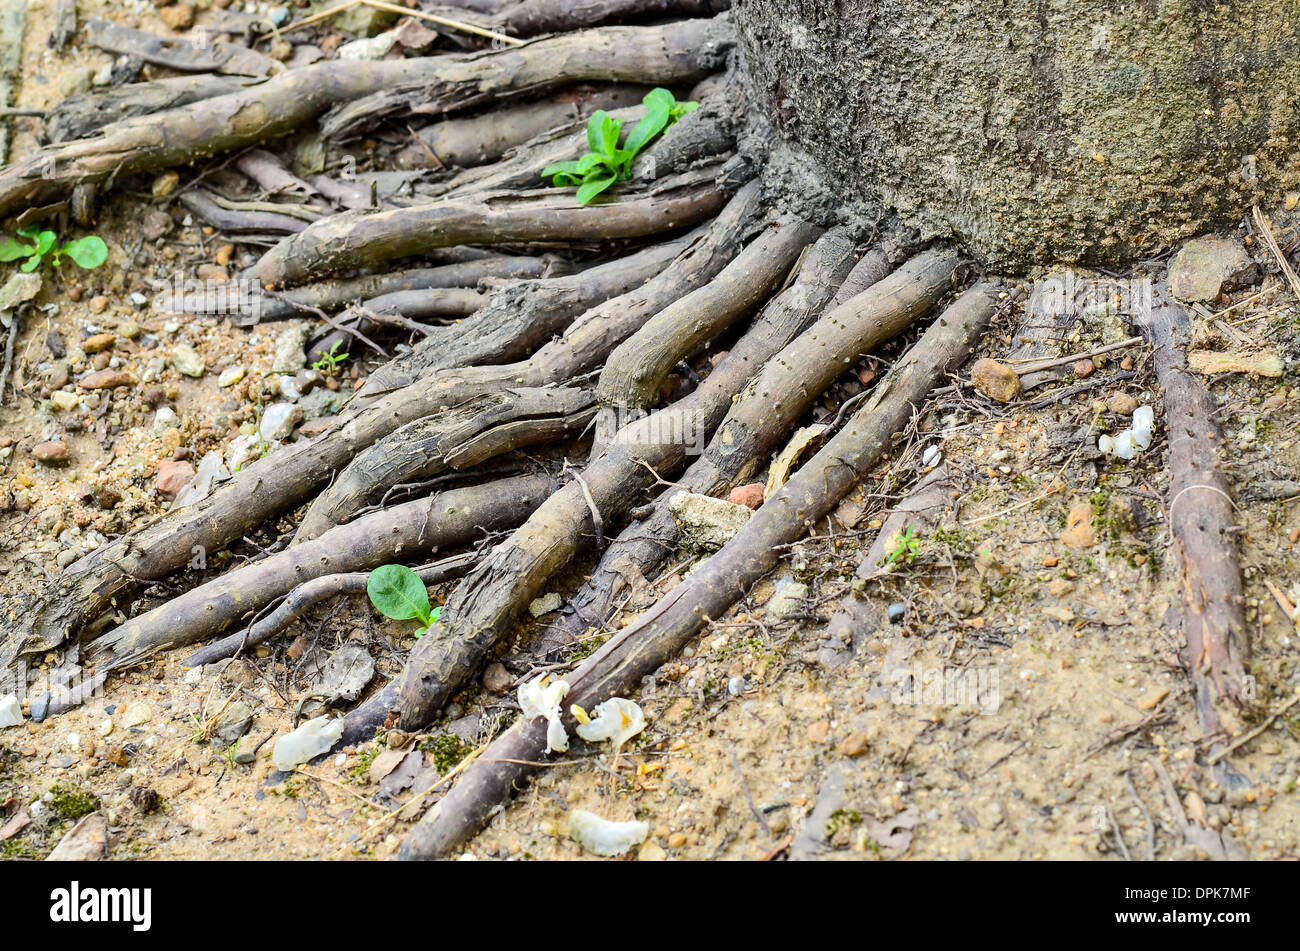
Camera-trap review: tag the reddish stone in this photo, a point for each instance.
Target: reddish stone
(750, 496)
(173, 475)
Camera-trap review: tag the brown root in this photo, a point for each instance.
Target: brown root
(405, 531)
(485, 605)
(643, 646)
(354, 239)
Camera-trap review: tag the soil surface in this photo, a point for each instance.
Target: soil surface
(1011, 687)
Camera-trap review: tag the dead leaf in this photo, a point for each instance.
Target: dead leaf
(894, 834)
(786, 459)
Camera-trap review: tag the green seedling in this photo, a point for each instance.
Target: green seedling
(330, 362)
(88, 252)
(906, 548)
(607, 163)
(397, 592)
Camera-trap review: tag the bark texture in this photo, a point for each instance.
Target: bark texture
(1081, 130)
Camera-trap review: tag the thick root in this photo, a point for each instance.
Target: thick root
(86, 113)
(467, 435)
(762, 415)
(557, 16)
(643, 646)
(634, 373)
(353, 239)
(1201, 520)
(672, 54)
(676, 53)
(412, 529)
(88, 589)
(519, 318)
(486, 604)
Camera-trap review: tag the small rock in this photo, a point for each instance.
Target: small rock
(931, 457)
(676, 840)
(375, 48)
(854, 745)
(289, 343)
(224, 254)
(65, 400)
(52, 453)
(750, 496)
(76, 80)
(896, 612)
(707, 523)
(212, 272)
(497, 679)
(995, 380)
(186, 361)
(818, 731)
(1083, 368)
(1122, 403)
(230, 376)
(1078, 527)
(143, 798)
(547, 603)
(1151, 699)
(155, 223)
(105, 380)
(651, 851)
(172, 477)
(137, 714)
(1268, 363)
(787, 599)
(1202, 268)
(165, 184)
(233, 723)
(178, 17)
(97, 305)
(278, 421)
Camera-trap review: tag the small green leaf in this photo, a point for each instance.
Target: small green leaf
(89, 252)
(436, 614)
(595, 138)
(560, 168)
(645, 130)
(11, 250)
(594, 186)
(397, 592)
(44, 241)
(608, 132)
(659, 98)
(29, 232)
(682, 108)
(31, 263)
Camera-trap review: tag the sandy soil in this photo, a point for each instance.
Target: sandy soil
(1084, 742)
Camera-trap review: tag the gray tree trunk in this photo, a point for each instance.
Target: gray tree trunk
(1087, 131)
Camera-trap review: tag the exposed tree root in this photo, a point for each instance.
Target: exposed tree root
(404, 531)
(353, 239)
(557, 16)
(297, 601)
(684, 51)
(1200, 520)
(643, 646)
(85, 113)
(675, 53)
(481, 139)
(635, 371)
(762, 415)
(76, 604)
(519, 318)
(458, 439)
(486, 604)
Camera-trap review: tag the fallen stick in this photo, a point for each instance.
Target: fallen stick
(398, 534)
(183, 55)
(1200, 520)
(358, 238)
(643, 646)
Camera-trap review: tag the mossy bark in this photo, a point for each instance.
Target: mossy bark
(1087, 131)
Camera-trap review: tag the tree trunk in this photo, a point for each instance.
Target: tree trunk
(1084, 131)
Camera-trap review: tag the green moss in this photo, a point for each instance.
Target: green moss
(447, 750)
(361, 771)
(72, 802)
